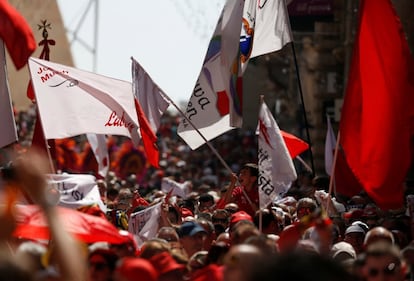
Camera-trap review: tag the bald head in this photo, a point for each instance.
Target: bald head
(378, 233)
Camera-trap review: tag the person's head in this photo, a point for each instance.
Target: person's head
(239, 262)
(355, 234)
(221, 217)
(231, 208)
(248, 175)
(168, 233)
(167, 267)
(154, 246)
(243, 232)
(101, 264)
(378, 233)
(305, 206)
(383, 261)
(129, 269)
(206, 203)
(210, 231)
(192, 237)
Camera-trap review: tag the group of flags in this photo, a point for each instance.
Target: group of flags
(375, 129)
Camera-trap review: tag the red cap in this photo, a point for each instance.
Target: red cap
(239, 216)
(130, 268)
(164, 263)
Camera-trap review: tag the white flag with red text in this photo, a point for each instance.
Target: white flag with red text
(276, 169)
(150, 96)
(215, 94)
(7, 124)
(73, 102)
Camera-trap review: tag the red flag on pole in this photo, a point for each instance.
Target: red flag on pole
(16, 34)
(376, 123)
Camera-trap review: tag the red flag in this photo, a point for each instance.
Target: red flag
(375, 125)
(294, 144)
(16, 34)
(148, 137)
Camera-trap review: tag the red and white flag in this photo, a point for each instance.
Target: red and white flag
(150, 96)
(7, 124)
(100, 150)
(376, 125)
(276, 169)
(209, 106)
(73, 102)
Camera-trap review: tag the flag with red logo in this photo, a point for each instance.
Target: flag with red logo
(276, 169)
(376, 125)
(73, 102)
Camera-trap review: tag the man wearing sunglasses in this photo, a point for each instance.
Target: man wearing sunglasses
(383, 261)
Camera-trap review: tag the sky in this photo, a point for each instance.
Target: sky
(169, 38)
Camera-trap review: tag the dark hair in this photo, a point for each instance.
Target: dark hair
(253, 168)
(205, 197)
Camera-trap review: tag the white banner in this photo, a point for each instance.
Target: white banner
(176, 188)
(144, 224)
(73, 102)
(76, 190)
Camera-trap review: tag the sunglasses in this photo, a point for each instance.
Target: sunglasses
(98, 265)
(387, 271)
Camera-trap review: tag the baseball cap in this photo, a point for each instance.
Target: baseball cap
(190, 228)
(343, 250)
(129, 268)
(239, 216)
(357, 227)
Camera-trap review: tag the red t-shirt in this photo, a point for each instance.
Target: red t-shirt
(240, 199)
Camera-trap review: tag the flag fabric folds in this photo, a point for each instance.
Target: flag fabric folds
(76, 190)
(17, 34)
(209, 106)
(144, 224)
(276, 169)
(100, 150)
(294, 144)
(377, 114)
(73, 102)
(7, 125)
(150, 96)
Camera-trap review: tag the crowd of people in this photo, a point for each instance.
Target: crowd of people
(216, 231)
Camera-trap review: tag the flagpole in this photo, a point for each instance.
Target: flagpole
(331, 181)
(303, 107)
(198, 131)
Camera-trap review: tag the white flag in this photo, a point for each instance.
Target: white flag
(8, 130)
(272, 27)
(215, 93)
(144, 224)
(276, 169)
(73, 102)
(100, 150)
(76, 190)
(330, 143)
(176, 188)
(150, 96)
